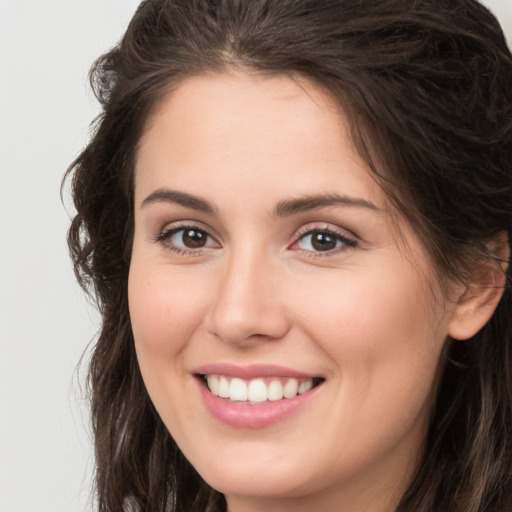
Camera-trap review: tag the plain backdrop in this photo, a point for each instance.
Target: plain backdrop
(46, 49)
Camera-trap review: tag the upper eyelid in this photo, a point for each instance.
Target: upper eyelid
(191, 224)
(309, 228)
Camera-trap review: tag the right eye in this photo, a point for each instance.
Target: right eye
(186, 239)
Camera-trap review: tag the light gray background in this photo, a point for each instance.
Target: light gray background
(46, 49)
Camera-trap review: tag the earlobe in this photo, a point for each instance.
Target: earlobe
(478, 301)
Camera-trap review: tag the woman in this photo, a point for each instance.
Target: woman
(296, 217)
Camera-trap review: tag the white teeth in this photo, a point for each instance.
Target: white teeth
(213, 384)
(223, 387)
(290, 388)
(256, 391)
(238, 390)
(275, 391)
(304, 386)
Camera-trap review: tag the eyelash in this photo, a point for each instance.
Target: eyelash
(167, 233)
(346, 242)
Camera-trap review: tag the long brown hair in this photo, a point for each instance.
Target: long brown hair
(427, 87)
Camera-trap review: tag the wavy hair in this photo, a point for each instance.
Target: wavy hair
(427, 88)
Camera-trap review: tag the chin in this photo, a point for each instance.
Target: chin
(278, 477)
(270, 485)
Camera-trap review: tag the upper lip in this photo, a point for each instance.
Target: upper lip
(252, 371)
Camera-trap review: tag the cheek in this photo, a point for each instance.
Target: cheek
(365, 311)
(385, 349)
(165, 312)
(165, 309)
(378, 331)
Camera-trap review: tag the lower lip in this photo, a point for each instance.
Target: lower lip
(253, 416)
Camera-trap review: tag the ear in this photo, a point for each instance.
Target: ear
(479, 299)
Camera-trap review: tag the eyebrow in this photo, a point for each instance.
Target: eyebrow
(164, 195)
(283, 209)
(306, 203)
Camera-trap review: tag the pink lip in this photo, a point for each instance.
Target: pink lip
(251, 416)
(251, 371)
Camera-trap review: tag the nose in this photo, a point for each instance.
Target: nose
(248, 304)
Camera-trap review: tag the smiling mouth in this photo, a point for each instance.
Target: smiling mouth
(260, 390)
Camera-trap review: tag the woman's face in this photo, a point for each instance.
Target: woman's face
(266, 260)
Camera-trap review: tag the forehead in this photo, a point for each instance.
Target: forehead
(249, 90)
(250, 123)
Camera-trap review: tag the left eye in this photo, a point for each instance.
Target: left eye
(322, 241)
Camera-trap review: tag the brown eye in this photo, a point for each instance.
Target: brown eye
(184, 239)
(193, 238)
(321, 241)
